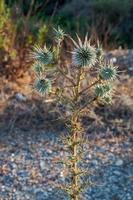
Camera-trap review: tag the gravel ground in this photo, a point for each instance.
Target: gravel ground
(29, 169)
(28, 159)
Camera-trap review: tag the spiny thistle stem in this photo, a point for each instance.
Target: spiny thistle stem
(75, 138)
(77, 86)
(75, 177)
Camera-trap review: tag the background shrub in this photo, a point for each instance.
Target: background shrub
(110, 21)
(25, 22)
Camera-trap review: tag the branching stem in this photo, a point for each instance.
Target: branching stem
(65, 76)
(86, 104)
(85, 89)
(59, 68)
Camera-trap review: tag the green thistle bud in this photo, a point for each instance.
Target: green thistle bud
(59, 34)
(103, 89)
(108, 72)
(99, 52)
(42, 85)
(43, 56)
(107, 88)
(107, 99)
(84, 54)
(38, 67)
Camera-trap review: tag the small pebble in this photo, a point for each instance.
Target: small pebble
(119, 162)
(42, 164)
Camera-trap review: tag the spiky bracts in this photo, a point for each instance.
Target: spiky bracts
(42, 85)
(43, 58)
(108, 72)
(59, 34)
(107, 99)
(102, 89)
(99, 51)
(83, 55)
(42, 55)
(104, 92)
(38, 67)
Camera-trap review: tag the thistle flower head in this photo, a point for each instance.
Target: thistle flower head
(59, 34)
(42, 55)
(103, 89)
(83, 55)
(38, 67)
(108, 72)
(42, 85)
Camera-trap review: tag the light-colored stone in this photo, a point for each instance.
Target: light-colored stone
(119, 162)
(42, 164)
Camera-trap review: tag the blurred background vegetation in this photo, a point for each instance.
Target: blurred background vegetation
(26, 22)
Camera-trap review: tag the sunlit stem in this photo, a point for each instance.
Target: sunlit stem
(74, 151)
(77, 87)
(75, 134)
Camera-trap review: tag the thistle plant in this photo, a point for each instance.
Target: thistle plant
(75, 92)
